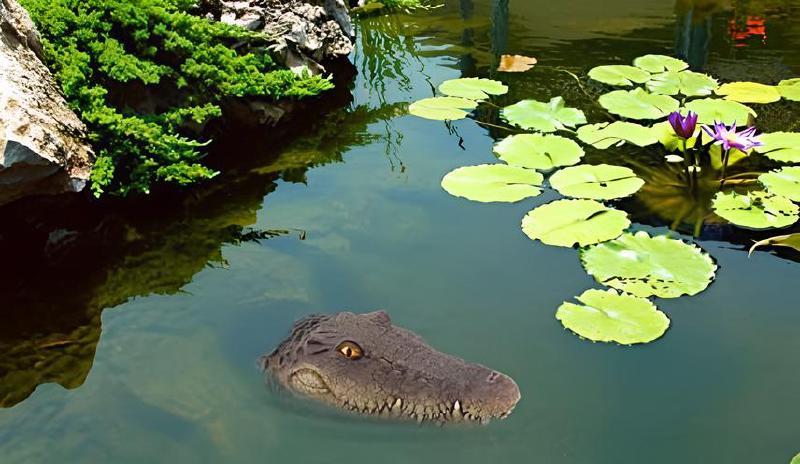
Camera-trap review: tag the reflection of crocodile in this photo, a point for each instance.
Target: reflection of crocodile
(363, 363)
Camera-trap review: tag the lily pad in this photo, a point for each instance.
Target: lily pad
(537, 151)
(493, 182)
(442, 108)
(790, 89)
(473, 88)
(795, 460)
(650, 266)
(784, 182)
(619, 75)
(569, 222)
(749, 92)
(689, 83)
(638, 104)
(598, 182)
(783, 147)
(543, 117)
(604, 135)
(608, 316)
(756, 210)
(714, 109)
(659, 63)
(788, 241)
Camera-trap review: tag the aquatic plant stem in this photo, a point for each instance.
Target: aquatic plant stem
(495, 126)
(725, 157)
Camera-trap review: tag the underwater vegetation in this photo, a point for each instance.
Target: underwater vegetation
(103, 52)
(695, 129)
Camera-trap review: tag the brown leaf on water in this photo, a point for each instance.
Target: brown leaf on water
(516, 63)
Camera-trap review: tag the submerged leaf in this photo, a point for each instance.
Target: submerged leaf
(493, 182)
(756, 210)
(567, 222)
(783, 147)
(749, 92)
(784, 182)
(442, 108)
(604, 135)
(650, 266)
(789, 241)
(688, 83)
(710, 110)
(473, 88)
(608, 316)
(598, 182)
(659, 63)
(538, 151)
(638, 104)
(543, 117)
(516, 63)
(622, 75)
(790, 89)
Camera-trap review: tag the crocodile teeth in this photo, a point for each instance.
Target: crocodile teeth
(456, 406)
(397, 403)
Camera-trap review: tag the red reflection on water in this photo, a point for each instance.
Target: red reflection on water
(752, 26)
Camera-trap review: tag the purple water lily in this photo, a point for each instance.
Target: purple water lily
(729, 138)
(683, 126)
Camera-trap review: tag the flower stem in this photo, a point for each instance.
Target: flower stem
(725, 157)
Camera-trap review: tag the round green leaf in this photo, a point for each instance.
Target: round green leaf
(659, 63)
(442, 108)
(598, 182)
(493, 182)
(604, 135)
(756, 210)
(688, 83)
(538, 151)
(543, 117)
(619, 75)
(749, 92)
(790, 89)
(783, 147)
(567, 222)
(784, 182)
(638, 104)
(473, 88)
(714, 109)
(796, 460)
(608, 316)
(650, 266)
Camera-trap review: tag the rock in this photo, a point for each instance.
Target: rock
(308, 32)
(43, 147)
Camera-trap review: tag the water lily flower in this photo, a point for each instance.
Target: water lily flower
(683, 126)
(729, 138)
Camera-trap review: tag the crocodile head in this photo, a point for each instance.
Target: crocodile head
(363, 363)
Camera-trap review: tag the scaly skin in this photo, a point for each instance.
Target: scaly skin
(363, 363)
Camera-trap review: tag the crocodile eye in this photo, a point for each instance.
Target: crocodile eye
(350, 350)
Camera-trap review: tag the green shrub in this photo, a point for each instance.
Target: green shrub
(96, 45)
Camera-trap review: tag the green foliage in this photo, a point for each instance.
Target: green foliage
(96, 45)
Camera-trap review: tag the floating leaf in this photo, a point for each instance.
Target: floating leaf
(784, 182)
(796, 460)
(619, 75)
(608, 316)
(714, 109)
(789, 241)
(567, 222)
(650, 266)
(493, 182)
(473, 88)
(659, 63)
(442, 108)
(538, 151)
(790, 89)
(716, 156)
(756, 210)
(688, 83)
(749, 92)
(604, 135)
(516, 63)
(544, 117)
(598, 182)
(638, 104)
(783, 147)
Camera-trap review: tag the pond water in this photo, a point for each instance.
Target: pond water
(352, 217)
